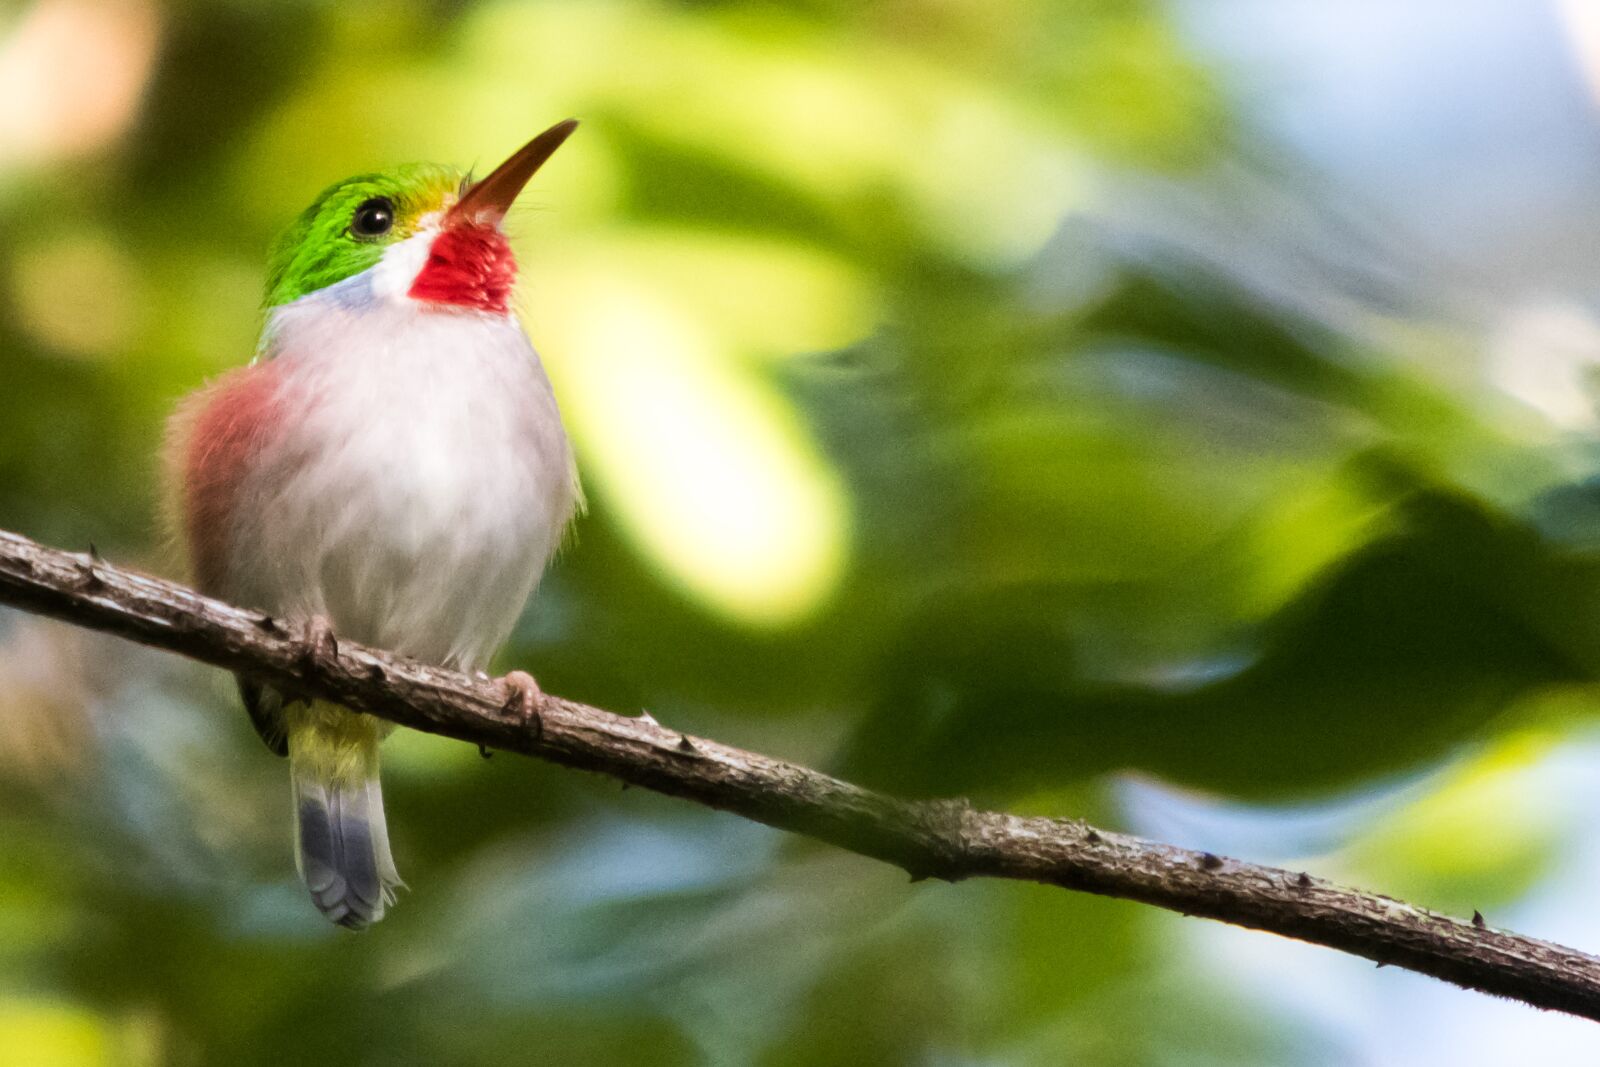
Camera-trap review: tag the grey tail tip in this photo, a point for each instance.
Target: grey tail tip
(343, 851)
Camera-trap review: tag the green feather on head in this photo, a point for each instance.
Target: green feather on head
(325, 244)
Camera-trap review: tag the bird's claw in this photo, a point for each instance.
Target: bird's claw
(523, 699)
(317, 643)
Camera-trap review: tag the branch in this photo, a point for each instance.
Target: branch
(930, 839)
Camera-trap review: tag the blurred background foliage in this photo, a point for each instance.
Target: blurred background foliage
(1175, 414)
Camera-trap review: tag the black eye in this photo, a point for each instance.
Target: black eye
(373, 218)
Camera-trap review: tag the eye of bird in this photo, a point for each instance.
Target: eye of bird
(373, 218)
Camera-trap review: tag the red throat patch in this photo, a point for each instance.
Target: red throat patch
(470, 266)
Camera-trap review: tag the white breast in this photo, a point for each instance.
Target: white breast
(421, 484)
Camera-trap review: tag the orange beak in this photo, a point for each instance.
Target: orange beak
(487, 201)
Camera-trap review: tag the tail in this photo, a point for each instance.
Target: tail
(341, 840)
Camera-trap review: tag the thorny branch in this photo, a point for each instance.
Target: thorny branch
(944, 839)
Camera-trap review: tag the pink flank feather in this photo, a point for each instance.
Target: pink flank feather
(213, 440)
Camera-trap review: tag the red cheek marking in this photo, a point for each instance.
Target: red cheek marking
(469, 265)
(213, 442)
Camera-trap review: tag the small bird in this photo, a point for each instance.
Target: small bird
(391, 467)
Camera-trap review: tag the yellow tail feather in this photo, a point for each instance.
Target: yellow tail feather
(341, 837)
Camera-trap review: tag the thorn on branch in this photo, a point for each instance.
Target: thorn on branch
(1091, 835)
(1477, 918)
(1304, 881)
(686, 745)
(268, 625)
(90, 579)
(1210, 861)
(483, 751)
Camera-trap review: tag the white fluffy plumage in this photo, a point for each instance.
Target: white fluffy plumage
(422, 478)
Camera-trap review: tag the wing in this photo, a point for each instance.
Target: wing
(265, 707)
(213, 440)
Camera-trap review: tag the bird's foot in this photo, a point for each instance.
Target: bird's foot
(318, 646)
(523, 699)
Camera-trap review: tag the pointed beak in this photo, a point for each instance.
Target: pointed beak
(487, 201)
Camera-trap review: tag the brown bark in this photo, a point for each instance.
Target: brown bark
(930, 839)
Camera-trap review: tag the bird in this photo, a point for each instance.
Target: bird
(390, 468)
